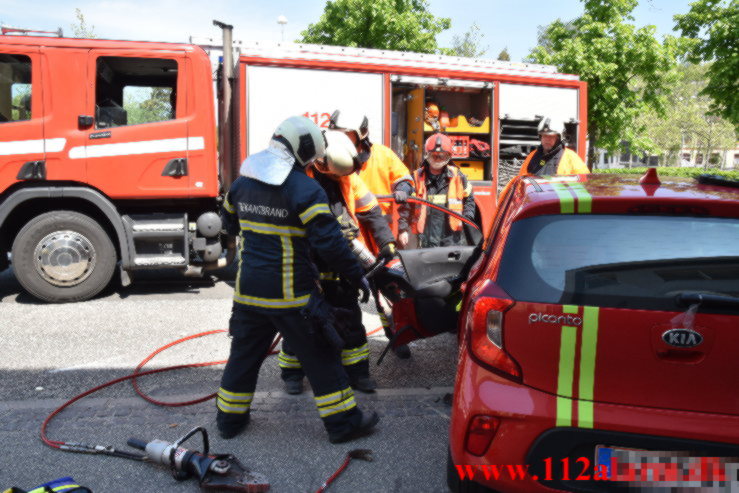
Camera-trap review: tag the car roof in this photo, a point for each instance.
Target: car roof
(621, 193)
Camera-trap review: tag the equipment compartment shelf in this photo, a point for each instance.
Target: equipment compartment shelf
(463, 127)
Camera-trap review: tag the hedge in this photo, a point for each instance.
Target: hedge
(672, 171)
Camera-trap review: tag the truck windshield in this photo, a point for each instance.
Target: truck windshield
(637, 262)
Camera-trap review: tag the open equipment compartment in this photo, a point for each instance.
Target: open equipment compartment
(464, 114)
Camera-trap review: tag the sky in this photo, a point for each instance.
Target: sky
(504, 23)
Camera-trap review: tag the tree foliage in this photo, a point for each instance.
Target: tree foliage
(469, 44)
(404, 25)
(504, 55)
(147, 104)
(712, 26)
(80, 29)
(687, 122)
(612, 56)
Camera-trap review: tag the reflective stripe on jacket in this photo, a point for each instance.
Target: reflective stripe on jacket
(280, 228)
(383, 172)
(569, 164)
(456, 194)
(357, 197)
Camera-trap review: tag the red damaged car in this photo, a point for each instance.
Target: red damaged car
(599, 338)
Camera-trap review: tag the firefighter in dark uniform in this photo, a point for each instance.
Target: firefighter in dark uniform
(353, 205)
(283, 219)
(441, 183)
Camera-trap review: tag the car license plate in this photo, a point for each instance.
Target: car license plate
(647, 466)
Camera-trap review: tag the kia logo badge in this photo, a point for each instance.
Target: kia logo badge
(683, 338)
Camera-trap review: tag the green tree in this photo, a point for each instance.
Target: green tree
(404, 25)
(687, 121)
(504, 55)
(469, 44)
(80, 29)
(627, 69)
(712, 26)
(20, 102)
(147, 104)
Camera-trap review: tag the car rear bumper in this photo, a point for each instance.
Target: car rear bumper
(527, 433)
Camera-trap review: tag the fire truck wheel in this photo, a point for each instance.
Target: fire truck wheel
(63, 256)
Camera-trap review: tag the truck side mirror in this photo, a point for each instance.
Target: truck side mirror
(85, 121)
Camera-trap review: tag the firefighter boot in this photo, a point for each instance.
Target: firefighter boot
(365, 426)
(359, 377)
(293, 386)
(231, 425)
(402, 351)
(364, 384)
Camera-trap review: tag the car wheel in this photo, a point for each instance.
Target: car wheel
(63, 256)
(457, 485)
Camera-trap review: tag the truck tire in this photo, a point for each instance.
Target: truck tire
(63, 256)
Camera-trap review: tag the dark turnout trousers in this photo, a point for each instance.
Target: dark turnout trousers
(355, 355)
(253, 332)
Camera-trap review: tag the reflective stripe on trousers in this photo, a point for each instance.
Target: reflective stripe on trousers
(335, 402)
(234, 402)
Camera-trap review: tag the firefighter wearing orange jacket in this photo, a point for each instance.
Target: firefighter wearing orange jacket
(353, 204)
(384, 173)
(552, 157)
(382, 170)
(441, 183)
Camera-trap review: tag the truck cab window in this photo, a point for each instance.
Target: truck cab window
(132, 91)
(15, 88)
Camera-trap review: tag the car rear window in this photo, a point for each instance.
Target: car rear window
(637, 262)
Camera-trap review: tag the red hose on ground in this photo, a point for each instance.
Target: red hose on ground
(138, 373)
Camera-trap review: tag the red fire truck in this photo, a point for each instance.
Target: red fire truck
(111, 156)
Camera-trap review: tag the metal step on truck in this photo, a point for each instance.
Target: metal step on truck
(112, 157)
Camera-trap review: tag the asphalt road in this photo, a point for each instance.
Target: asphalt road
(53, 352)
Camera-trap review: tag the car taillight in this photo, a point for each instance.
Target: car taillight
(480, 433)
(485, 327)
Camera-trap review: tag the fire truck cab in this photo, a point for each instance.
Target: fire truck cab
(108, 149)
(107, 153)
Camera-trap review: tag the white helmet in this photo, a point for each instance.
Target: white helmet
(360, 127)
(549, 126)
(303, 139)
(341, 155)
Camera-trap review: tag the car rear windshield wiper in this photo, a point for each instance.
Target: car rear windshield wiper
(707, 299)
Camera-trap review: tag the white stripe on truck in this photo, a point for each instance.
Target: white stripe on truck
(39, 146)
(140, 147)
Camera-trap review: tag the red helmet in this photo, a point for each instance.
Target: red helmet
(438, 143)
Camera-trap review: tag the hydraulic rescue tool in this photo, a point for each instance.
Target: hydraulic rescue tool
(213, 471)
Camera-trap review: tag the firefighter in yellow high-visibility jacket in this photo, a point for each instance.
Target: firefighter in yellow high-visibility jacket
(552, 157)
(381, 169)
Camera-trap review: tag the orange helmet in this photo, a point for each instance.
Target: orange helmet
(438, 143)
(432, 111)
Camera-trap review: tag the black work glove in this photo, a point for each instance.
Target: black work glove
(321, 316)
(388, 252)
(401, 196)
